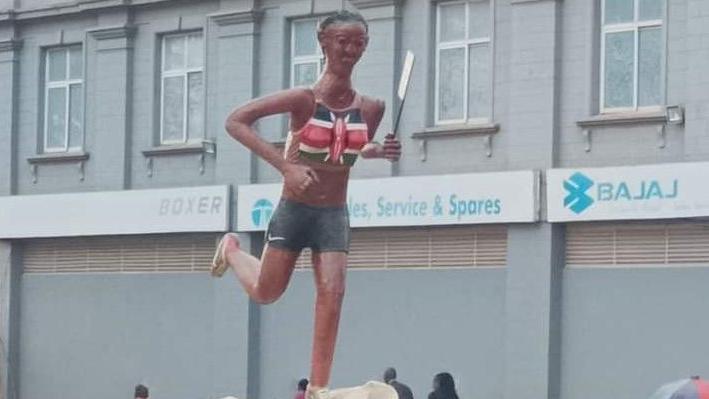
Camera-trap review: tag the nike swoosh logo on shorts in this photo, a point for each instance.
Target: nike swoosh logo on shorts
(270, 238)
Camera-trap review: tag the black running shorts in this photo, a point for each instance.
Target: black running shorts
(295, 226)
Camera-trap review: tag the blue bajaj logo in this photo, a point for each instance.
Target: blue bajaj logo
(576, 186)
(261, 212)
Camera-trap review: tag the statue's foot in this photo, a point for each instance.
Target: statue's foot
(229, 242)
(317, 393)
(370, 390)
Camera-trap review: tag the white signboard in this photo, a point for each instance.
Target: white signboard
(189, 209)
(507, 197)
(636, 192)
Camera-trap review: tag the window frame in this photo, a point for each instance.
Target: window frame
(183, 72)
(65, 84)
(464, 44)
(304, 59)
(633, 26)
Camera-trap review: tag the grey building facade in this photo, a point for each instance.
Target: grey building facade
(116, 96)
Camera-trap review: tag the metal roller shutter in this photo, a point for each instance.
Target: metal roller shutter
(466, 246)
(120, 254)
(608, 244)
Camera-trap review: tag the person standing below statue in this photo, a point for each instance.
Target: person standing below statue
(140, 392)
(443, 387)
(302, 387)
(402, 389)
(331, 125)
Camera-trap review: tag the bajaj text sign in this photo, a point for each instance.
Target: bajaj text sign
(632, 192)
(414, 201)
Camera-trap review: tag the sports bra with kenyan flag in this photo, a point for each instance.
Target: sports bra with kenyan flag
(330, 136)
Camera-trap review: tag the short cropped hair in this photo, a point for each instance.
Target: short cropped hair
(343, 16)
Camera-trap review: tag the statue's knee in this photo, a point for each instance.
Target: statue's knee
(332, 289)
(263, 297)
(266, 300)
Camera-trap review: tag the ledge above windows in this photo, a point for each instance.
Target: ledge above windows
(79, 157)
(658, 118)
(485, 130)
(200, 148)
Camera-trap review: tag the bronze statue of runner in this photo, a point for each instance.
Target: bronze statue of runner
(331, 125)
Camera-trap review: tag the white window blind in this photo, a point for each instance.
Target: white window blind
(422, 247)
(637, 244)
(120, 254)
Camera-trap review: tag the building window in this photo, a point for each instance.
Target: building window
(306, 56)
(63, 99)
(464, 62)
(632, 55)
(182, 88)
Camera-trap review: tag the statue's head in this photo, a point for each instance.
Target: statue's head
(343, 38)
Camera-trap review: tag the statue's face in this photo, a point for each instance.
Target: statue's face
(343, 45)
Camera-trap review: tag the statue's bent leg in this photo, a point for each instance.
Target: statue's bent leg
(266, 279)
(330, 269)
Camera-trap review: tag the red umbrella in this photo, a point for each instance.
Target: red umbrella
(688, 388)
